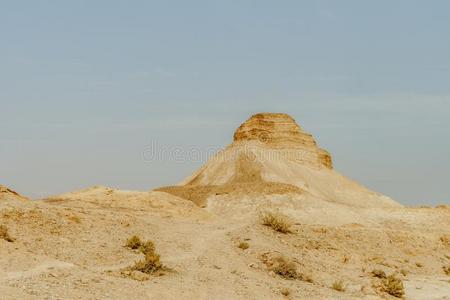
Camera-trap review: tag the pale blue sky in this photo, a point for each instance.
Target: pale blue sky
(86, 86)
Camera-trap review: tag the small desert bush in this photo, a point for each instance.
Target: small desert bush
(288, 270)
(244, 245)
(151, 262)
(134, 242)
(446, 269)
(4, 234)
(404, 272)
(149, 265)
(378, 273)
(338, 285)
(147, 247)
(276, 221)
(393, 286)
(445, 239)
(285, 269)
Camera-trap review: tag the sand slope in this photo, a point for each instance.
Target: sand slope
(7, 194)
(70, 250)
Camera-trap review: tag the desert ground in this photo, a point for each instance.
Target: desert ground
(266, 218)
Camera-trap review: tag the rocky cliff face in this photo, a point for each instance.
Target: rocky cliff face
(281, 132)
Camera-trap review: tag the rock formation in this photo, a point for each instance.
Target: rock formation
(280, 131)
(272, 155)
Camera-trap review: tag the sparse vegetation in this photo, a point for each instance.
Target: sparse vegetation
(244, 245)
(285, 269)
(446, 269)
(4, 234)
(147, 247)
(338, 285)
(134, 242)
(404, 272)
(149, 265)
(276, 221)
(445, 239)
(393, 286)
(419, 265)
(151, 262)
(379, 273)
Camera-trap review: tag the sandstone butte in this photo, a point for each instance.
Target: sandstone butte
(272, 154)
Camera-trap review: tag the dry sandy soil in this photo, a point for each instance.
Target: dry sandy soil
(72, 246)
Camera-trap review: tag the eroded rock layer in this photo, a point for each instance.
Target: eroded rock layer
(280, 131)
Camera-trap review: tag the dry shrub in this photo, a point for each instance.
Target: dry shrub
(393, 286)
(277, 221)
(244, 245)
(338, 285)
(446, 269)
(134, 242)
(149, 265)
(285, 269)
(404, 272)
(4, 234)
(151, 262)
(419, 265)
(378, 273)
(445, 239)
(147, 247)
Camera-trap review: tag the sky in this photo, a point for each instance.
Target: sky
(86, 87)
